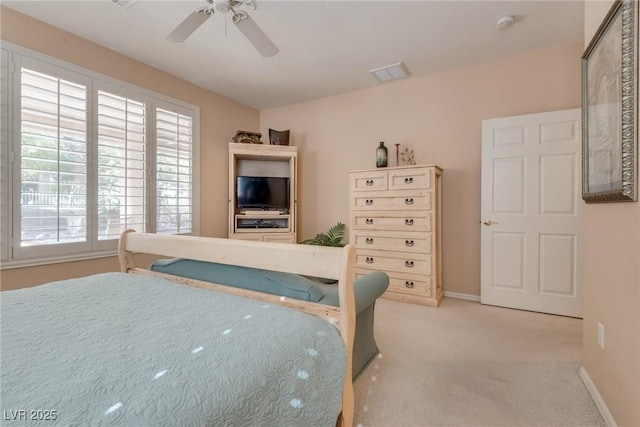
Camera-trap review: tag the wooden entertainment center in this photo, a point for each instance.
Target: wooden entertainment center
(269, 161)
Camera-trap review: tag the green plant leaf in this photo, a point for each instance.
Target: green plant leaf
(333, 237)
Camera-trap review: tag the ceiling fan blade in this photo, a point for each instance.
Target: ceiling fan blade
(255, 35)
(189, 25)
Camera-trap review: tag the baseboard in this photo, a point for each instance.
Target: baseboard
(458, 295)
(599, 401)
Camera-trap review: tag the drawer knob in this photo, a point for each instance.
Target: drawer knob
(369, 221)
(368, 202)
(408, 180)
(408, 243)
(408, 284)
(408, 201)
(408, 222)
(369, 260)
(369, 182)
(408, 264)
(369, 240)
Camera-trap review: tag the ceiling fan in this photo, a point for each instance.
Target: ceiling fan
(241, 19)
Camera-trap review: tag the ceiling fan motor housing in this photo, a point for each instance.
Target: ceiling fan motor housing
(222, 6)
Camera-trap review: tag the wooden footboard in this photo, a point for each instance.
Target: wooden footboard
(318, 261)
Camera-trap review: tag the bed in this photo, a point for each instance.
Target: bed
(141, 348)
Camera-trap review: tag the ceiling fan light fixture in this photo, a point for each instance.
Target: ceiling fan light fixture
(241, 19)
(238, 16)
(390, 72)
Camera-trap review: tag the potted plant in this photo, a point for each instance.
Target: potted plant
(332, 237)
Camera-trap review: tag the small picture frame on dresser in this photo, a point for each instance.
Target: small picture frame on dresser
(407, 157)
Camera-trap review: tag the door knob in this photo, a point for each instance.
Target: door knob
(488, 222)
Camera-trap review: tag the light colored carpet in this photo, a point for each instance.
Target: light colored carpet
(465, 364)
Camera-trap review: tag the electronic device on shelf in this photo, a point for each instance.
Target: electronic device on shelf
(259, 224)
(263, 213)
(269, 194)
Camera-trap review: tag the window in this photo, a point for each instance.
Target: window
(174, 208)
(53, 159)
(4, 157)
(122, 146)
(87, 158)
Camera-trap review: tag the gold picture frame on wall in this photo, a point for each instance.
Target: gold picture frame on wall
(609, 106)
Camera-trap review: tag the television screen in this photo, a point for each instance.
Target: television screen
(261, 192)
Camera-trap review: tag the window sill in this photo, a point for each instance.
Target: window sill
(8, 265)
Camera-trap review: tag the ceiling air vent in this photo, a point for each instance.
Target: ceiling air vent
(125, 4)
(390, 72)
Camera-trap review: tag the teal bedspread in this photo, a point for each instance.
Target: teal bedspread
(129, 350)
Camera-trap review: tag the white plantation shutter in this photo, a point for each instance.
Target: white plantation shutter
(53, 159)
(174, 171)
(84, 157)
(4, 155)
(122, 146)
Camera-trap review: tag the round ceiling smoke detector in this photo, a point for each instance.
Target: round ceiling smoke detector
(504, 22)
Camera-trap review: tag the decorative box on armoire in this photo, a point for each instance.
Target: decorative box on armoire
(396, 223)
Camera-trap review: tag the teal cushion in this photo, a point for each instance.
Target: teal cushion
(366, 290)
(271, 282)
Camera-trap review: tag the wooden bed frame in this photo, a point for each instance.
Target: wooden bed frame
(317, 261)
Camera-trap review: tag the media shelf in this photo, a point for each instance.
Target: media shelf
(263, 223)
(269, 161)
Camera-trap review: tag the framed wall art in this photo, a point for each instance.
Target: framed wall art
(609, 107)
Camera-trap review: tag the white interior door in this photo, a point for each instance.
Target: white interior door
(531, 211)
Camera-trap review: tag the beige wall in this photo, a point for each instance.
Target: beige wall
(439, 116)
(220, 118)
(611, 273)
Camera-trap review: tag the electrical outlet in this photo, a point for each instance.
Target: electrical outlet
(601, 335)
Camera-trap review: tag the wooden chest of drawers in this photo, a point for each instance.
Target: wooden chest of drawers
(395, 225)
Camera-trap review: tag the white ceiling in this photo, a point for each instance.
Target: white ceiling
(326, 47)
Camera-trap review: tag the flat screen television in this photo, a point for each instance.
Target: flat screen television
(262, 192)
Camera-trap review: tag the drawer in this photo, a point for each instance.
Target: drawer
(416, 200)
(392, 220)
(368, 181)
(246, 236)
(381, 240)
(410, 178)
(279, 238)
(404, 262)
(409, 284)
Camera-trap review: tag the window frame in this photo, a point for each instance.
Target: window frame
(5, 153)
(13, 255)
(42, 251)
